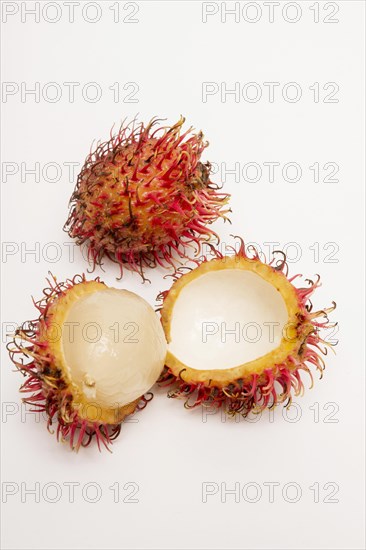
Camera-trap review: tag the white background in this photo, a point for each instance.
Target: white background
(170, 452)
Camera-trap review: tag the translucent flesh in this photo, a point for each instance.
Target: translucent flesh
(113, 345)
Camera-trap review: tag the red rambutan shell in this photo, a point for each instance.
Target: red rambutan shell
(143, 195)
(270, 379)
(37, 352)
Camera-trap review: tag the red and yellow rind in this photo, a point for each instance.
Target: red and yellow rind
(144, 195)
(268, 380)
(37, 352)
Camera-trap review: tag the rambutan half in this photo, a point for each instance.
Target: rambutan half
(144, 195)
(89, 358)
(240, 334)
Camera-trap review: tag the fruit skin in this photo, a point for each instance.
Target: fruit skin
(253, 386)
(35, 351)
(143, 195)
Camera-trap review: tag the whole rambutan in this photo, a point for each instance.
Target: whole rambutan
(89, 358)
(144, 195)
(240, 334)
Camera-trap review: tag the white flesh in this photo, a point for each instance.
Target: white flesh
(114, 346)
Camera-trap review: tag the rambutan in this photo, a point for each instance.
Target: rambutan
(89, 358)
(240, 334)
(144, 196)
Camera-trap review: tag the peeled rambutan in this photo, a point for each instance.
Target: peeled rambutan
(144, 195)
(240, 334)
(89, 358)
